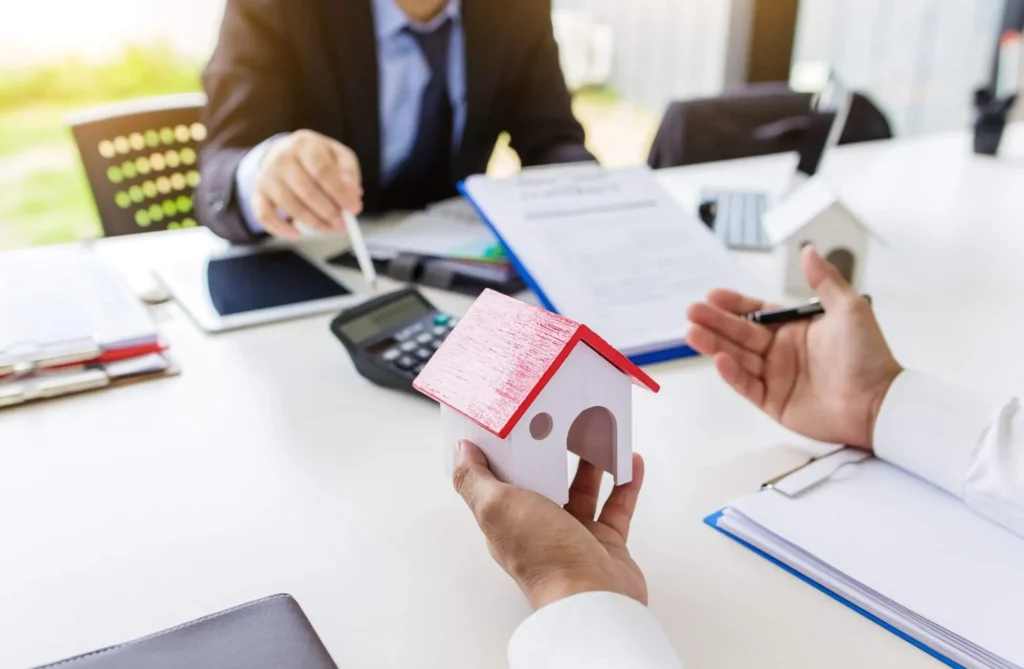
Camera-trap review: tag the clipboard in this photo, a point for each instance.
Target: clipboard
(796, 483)
(643, 359)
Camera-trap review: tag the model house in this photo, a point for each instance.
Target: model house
(526, 385)
(815, 214)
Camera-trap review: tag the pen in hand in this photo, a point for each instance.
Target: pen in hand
(788, 315)
(355, 234)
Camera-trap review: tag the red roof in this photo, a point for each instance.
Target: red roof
(502, 354)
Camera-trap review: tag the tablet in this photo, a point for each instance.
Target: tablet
(246, 287)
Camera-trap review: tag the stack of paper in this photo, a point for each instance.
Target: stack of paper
(906, 554)
(69, 323)
(451, 231)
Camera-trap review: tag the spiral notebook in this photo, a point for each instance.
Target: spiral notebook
(908, 556)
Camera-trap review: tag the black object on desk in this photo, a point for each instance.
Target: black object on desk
(990, 121)
(267, 634)
(392, 337)
(433, 273)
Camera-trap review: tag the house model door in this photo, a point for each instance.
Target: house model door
(845, 262)
(594, 437)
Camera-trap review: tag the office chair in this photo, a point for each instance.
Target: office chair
(141, 158)
(757, 120)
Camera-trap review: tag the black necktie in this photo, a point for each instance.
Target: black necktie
(426, 175)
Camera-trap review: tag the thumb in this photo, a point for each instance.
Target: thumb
(473, 478)
(825, 280)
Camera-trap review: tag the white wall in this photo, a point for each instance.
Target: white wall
(41, 30)
(919, 59)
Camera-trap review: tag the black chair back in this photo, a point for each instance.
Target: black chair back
(758, 120)
(142, 161)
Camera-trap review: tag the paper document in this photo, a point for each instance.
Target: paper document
(448, 229)
(610, 249)
(906, 552)
(53, 298)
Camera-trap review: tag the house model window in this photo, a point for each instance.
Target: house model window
(527, 385)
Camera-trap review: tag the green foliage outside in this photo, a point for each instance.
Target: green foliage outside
(44, 197)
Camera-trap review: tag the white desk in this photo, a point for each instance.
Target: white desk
(270, 466)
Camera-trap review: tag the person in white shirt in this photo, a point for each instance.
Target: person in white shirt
(832, 379)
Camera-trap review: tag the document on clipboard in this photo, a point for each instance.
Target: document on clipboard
(906, 555)
(609, 248)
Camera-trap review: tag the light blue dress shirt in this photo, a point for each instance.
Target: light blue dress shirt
(403, 74)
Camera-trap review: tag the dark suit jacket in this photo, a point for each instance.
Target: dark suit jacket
(284, 65)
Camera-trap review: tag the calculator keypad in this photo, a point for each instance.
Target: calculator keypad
(418, 343)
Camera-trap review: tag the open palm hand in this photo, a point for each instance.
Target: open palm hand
(823, 378)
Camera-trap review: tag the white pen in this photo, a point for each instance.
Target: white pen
(355, 233)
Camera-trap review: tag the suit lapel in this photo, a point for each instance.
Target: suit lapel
(354, 48)
(484, 31)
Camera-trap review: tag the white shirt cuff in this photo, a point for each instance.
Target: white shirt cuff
(245, 179)
(931, 429)
(593, 630)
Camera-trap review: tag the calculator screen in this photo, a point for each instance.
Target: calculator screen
(385, 319)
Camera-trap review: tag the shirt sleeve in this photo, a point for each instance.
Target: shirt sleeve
(958, 442)
(593, 630)
(245, 179)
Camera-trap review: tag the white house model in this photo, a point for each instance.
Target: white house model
(815, 214)
(525, 385)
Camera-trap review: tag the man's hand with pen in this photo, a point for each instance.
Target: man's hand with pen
(310, 178)
(824, 377)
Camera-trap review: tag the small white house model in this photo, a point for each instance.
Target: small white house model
(815, 214)
(525, 385)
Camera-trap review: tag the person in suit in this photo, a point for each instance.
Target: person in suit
(320, 106)
(832, 379)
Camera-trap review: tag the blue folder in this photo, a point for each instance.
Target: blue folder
(712, 521)
(640, 360)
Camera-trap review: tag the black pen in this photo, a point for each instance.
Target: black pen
(782, 316)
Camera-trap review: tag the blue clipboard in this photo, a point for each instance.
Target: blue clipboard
(640, 360)
(712, 521)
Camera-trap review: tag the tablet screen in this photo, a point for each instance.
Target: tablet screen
(266, 280)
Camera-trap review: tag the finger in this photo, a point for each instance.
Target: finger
(735, 329)
(319, 162)
(265, 212)
(618, 510)
(742, 381)
(733, 302)
(823, 277)
(473, 478)
(584, 491)
(710, 343)
(293, 205)
(326, 214)
(351, 173)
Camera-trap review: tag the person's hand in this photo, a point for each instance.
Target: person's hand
(551, 552)
(824, 378)
(306, 177)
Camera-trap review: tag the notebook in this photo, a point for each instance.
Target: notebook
(906, 555)
(271, 633)
(64, 305)
(608, 248)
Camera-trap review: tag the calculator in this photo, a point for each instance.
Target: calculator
(391, 338)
